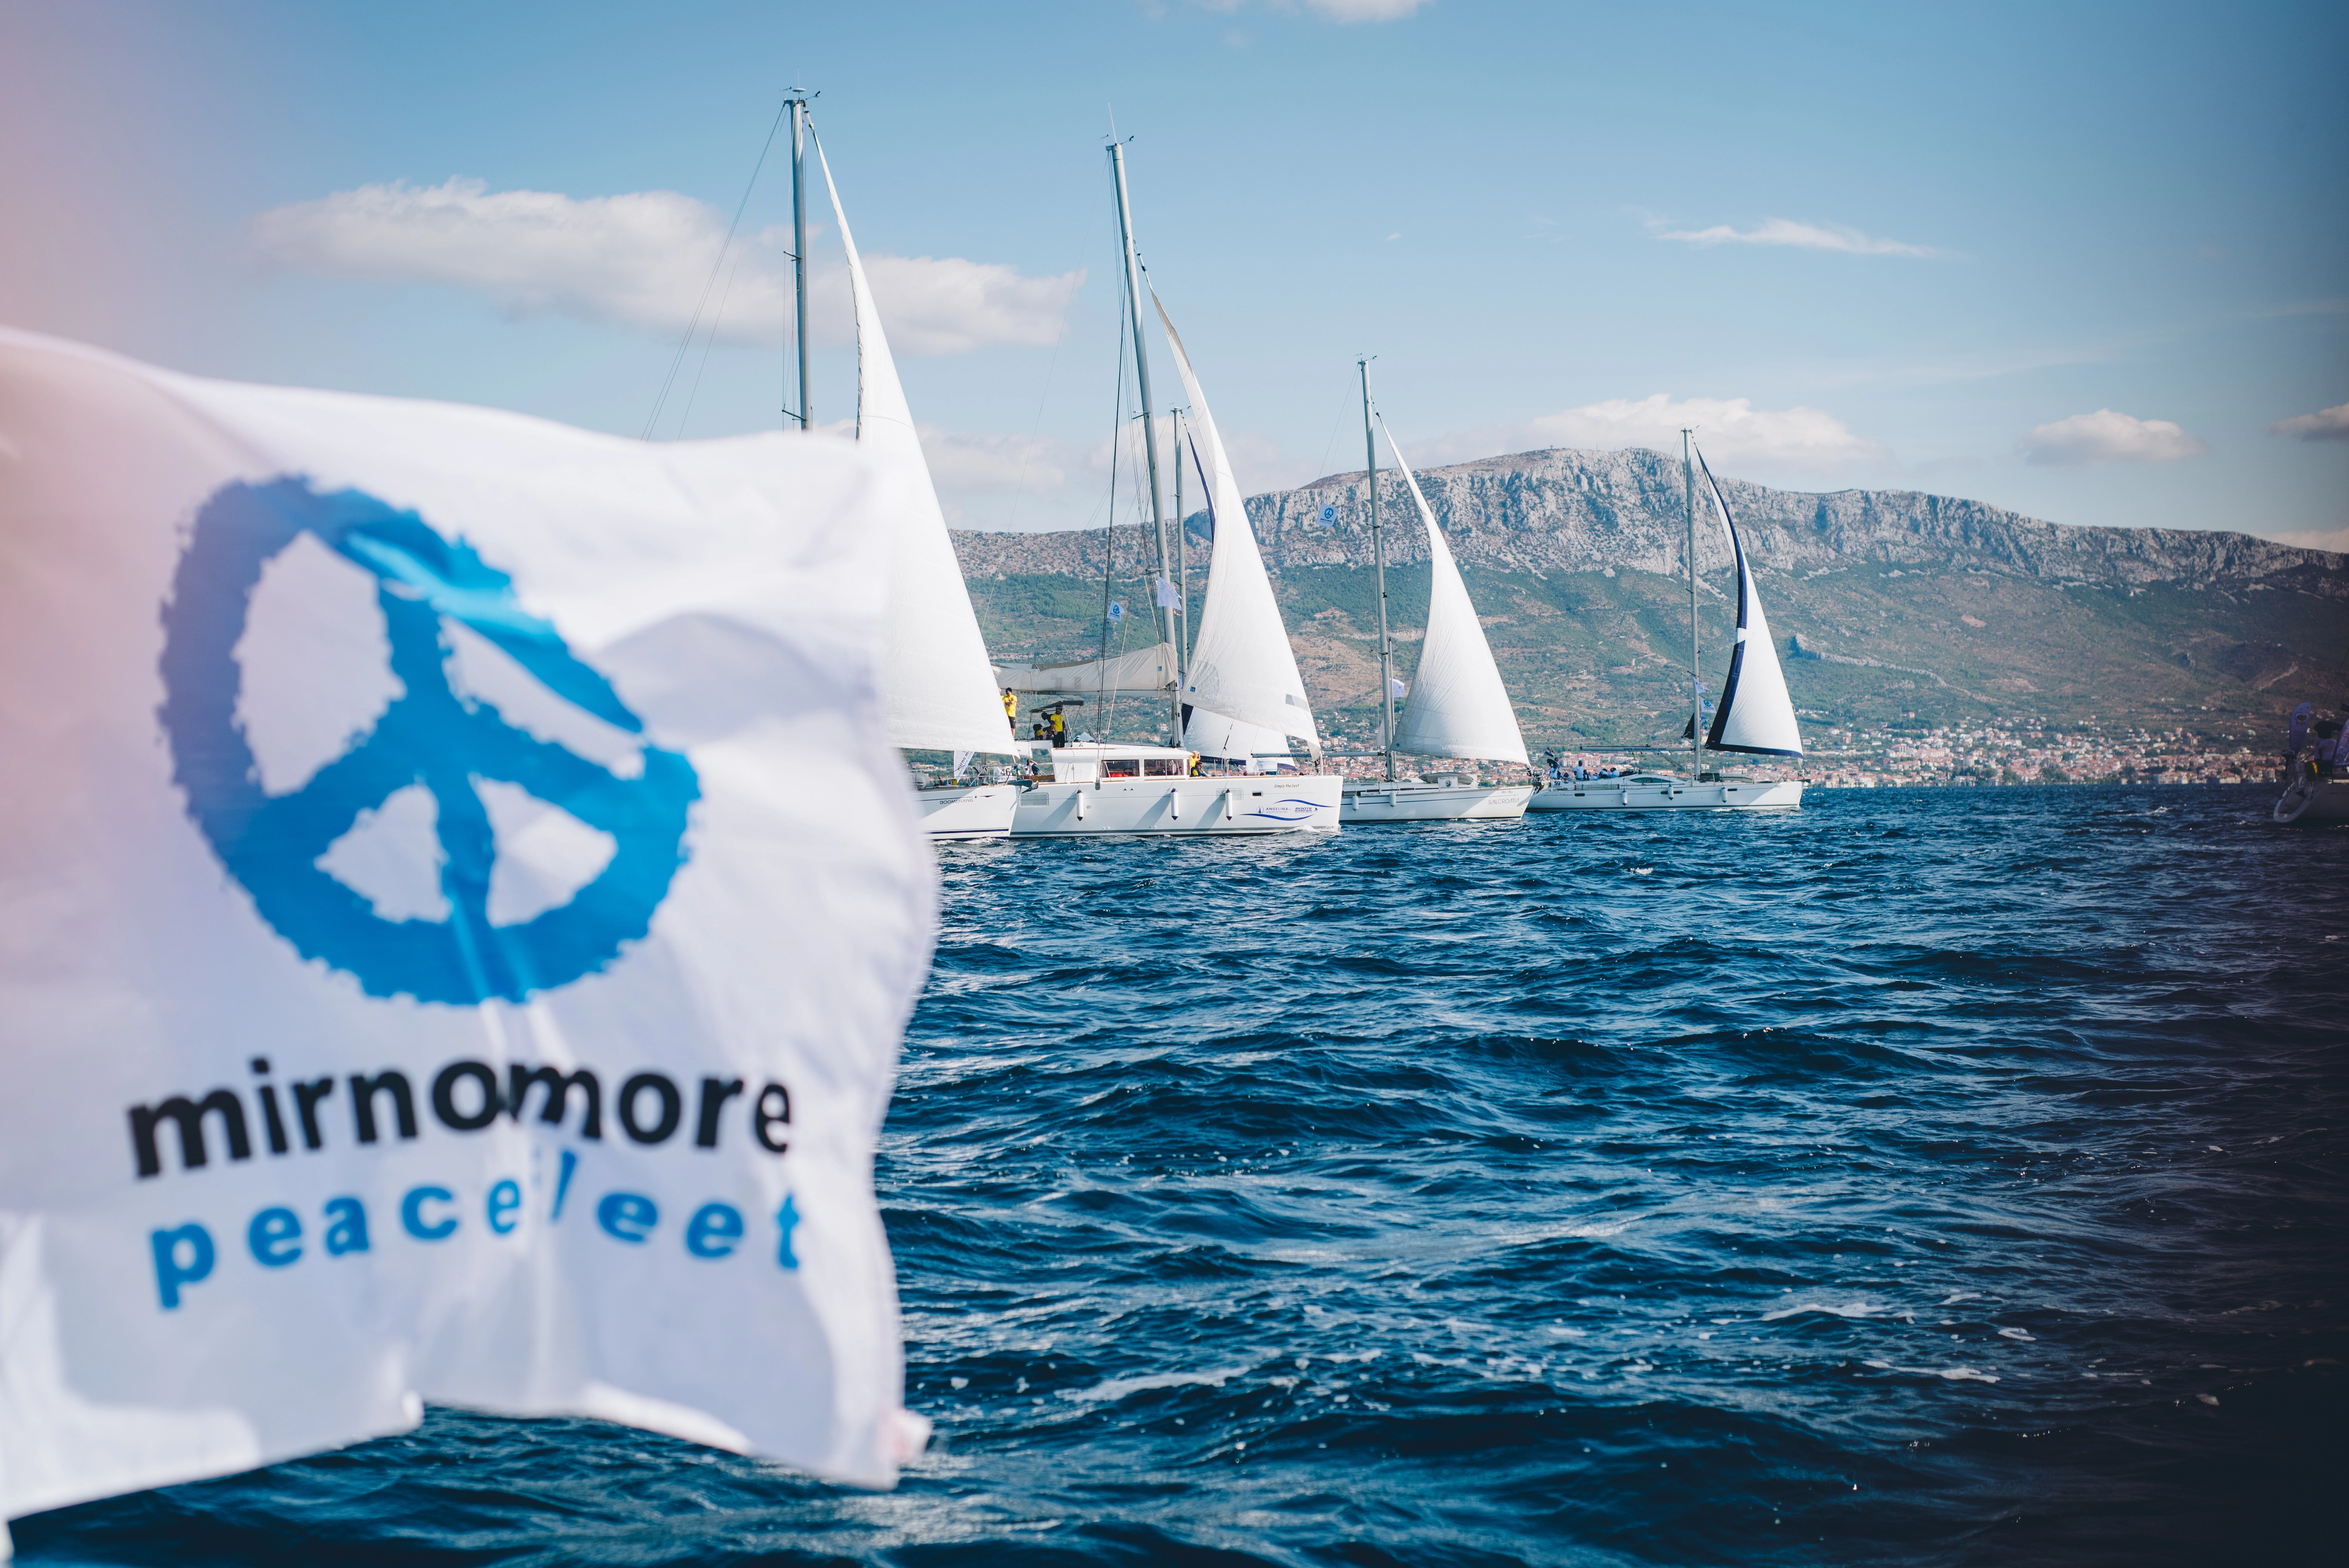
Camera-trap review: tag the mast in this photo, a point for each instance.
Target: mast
(1379, 558)
(1696, 676)
(799, 239)
(1181, 575)
(1164, 614)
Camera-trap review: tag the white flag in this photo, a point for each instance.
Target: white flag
(458, 913)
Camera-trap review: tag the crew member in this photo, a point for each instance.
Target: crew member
(1011, 706)
(1060, 729)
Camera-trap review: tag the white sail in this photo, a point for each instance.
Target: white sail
(1145, 672)
(1215, 735)
(937, 687)
(1755, 713)
(1458, 705)
(1241, 665)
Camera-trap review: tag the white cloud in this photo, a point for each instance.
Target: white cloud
(1729, 429)
(2325, 425)
(997, 465)
(943, 304)
(2106, 437)
(643, 260)
(2336, 540)
(1802, 236)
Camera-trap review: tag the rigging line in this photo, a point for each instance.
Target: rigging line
(1343, 404)
(694, 324)
(710, 343)
(1028, 455)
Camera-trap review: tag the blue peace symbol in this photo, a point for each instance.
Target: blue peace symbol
(429, 736)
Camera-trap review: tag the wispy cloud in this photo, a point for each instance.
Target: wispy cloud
(1800, 236)
(1730, 429)
(1942, 370)
(2107, 437)
(2324, 425)
(643, 260)
(1336, 10)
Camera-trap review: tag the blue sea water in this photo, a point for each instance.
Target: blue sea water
(1927, 1176)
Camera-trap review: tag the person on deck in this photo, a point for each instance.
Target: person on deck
(1011, 706)
(1060, 729)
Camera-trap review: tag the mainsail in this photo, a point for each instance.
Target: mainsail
(937, 687)
(1145, 672)
(1241, 665)
(1458, 706)
(1755, 713)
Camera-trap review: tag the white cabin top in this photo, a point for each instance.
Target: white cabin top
(1086, 761)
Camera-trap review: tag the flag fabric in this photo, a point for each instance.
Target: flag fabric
(1168, 599)
(457, 915)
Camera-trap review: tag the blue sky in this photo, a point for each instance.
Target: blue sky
(2086, 262)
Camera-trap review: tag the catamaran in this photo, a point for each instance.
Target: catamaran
(1457, 706)
(1755, 717)
(937, 689)
(1236, 685)
(2316, 792)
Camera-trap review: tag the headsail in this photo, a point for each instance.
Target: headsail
(1755, 713)
(1241, 665)
(937, 687)
(1458, 706)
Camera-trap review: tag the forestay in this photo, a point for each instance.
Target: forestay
(1755, 713)
(457, 915)
(1241, 664)
(934, 675)
(1458, 706)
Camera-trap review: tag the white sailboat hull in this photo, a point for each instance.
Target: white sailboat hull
(1674, 795)
(967, 812)
(1193, 807)
(1366, 803)
(2312, 802)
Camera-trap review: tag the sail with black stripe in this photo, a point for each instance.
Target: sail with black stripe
(1755, 714)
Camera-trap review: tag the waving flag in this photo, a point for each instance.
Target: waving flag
(456, 920)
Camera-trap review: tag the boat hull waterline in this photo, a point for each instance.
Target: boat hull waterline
(1367, 805)
(969, 810)
(2313, 802)
(1668, 795)
(1193, 808)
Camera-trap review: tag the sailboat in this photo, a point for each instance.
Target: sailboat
(1239, 673)
(2316, 792)
(1458, 706)
(937, 689)
(1755, 718)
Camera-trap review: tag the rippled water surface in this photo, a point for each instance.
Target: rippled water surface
(1926, 1176)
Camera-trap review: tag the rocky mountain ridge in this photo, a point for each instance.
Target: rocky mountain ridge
(1563, 509)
